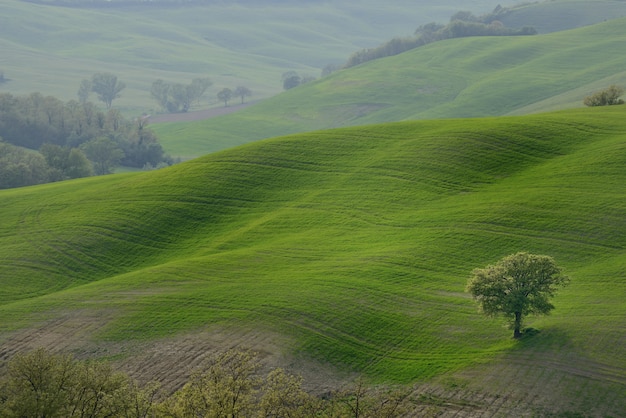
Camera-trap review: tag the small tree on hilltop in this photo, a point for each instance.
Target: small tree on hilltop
(607, 97)
(518, 285)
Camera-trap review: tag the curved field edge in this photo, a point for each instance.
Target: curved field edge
(457, 78)
(355, 244)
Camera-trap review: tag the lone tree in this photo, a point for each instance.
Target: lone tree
(243, 92)
(107, 87)
(518, 285)
(291, 79)
(225, 95)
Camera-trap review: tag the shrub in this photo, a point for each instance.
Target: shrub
(607, 97)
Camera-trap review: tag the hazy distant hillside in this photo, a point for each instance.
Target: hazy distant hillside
(51, 49)
(468, 77)
(553, 16)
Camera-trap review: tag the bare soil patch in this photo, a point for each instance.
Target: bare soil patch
(171, 361)
(168, 361)
(68, 332)
(520, 384)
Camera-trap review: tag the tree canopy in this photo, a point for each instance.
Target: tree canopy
(225, 95)
(607, 97)
(59, 131)
(106, 86)
(242, 92)
(229, 384)
(517, 285)
(179, 97)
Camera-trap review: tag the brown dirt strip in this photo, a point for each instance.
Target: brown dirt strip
(197, 115)
(168, 361)
(512, 386)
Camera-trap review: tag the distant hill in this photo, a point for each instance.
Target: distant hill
(518, 20)
(469, 77)
(50, 49)
(554, 16)
(347, 248)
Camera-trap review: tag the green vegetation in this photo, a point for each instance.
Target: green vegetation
(229, 384)
(558, 15)
(355, 243)
(606, 97)
(39, 384)
(106, 86)
(50, 49)
(462, 25)
(518, 285)
(66, 134)
(467, 77)
(178, 97)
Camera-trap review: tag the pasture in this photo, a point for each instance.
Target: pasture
(346, 250)
(50, 49)
(469, 77)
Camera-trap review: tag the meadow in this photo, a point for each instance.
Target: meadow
(51, 49)
(348, 248)
(469, 77)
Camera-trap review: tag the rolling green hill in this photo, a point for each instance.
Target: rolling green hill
(470, 77)
(352, 244)
(554, 16)
(51, 49)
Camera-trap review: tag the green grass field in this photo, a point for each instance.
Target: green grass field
(51, 49)
(553, 16)
(354, 243)
(471, 77)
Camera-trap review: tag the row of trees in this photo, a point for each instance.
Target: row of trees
(177, 97)
(226, 95)
(462, 24)
(40, 384)
(75, 129)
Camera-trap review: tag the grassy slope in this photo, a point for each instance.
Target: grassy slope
(355, 242)
(553, 16)
(457, 78)
(50, 49)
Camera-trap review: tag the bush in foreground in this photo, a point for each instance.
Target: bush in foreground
(607, 97)
(41, 384)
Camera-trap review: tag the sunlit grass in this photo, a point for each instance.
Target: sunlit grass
(356, 242)
(470, 77)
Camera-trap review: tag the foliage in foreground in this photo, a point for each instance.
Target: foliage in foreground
(41, 384)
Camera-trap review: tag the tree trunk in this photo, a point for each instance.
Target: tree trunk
(517, 333)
